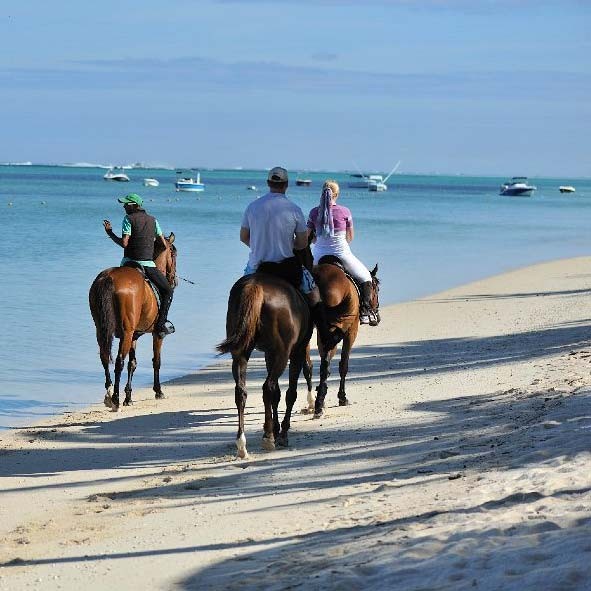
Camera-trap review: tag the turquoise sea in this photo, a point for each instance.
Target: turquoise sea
(428, 233)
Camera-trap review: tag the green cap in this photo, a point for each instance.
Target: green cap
(132, 198)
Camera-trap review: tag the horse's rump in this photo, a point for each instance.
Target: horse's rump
(339, 292)
(258, 304)
(102, 307)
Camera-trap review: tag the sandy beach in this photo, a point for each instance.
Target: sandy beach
(463, 462)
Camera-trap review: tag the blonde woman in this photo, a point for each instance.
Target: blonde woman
(333, 228)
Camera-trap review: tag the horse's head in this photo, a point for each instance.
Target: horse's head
(375, 292)
(165, 259)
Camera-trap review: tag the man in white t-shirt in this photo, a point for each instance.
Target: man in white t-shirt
(273, 227)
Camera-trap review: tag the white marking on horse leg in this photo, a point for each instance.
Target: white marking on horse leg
(107, 399)
(241, 446)
(311, 401)
(268, 443)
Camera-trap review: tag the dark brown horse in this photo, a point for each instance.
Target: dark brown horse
(266, 313)
(342, 302)
(123, 305)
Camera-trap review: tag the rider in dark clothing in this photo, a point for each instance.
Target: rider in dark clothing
(139, 231)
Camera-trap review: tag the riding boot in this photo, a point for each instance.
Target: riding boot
(330, 339)
(163, 325)
(365, 310)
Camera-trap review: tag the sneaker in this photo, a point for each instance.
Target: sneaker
(166, 329)
(364, 318)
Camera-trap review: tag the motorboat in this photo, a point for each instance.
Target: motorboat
(517, 187)
(189, 183)
(566, 189)
(303, 182)
(114, 175)
(362, 181)
(151, 183)
(377, 186)
(373, 182)
(251, 188)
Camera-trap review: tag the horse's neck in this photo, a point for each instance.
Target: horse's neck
(160, 261)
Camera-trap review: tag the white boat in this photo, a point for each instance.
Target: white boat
(113, 175)
(517, 187)
(566, 189)
(251, 188)
(190, 184)
(362, 181)
(151, 183)
(373, 182)
(378, 187)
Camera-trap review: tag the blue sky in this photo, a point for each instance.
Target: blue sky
(457, 86)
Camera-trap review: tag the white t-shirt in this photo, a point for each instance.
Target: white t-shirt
(272, 220)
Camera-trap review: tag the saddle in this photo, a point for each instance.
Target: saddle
(289, 269)
(331, 259)
(140, 268)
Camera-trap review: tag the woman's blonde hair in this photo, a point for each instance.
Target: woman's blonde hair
(333, 186)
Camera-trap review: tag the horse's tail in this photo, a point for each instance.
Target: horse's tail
(243, 319)
(102, 307)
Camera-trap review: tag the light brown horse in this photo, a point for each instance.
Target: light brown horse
(342, 309)
(266, 313)
(123, 305)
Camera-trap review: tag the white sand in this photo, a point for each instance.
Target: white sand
(463, 463)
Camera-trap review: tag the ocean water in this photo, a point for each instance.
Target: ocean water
(427, 233)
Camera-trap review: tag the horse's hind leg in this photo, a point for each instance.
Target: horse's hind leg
(308, 367)
(124, 347)
(131, 365)
(105, 360)
(296, 361)
(239, 364)
(157, 348)
(276, 363)
(322, 389)
(344, 367)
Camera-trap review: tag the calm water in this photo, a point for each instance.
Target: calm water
(428, 233)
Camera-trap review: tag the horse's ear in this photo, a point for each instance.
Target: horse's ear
(171, 238)
(375, 271)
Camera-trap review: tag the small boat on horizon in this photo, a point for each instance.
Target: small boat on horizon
(566, 189)
(112, 175)
(151, 183)
(303, 182)
(517, 187)
(188, 183)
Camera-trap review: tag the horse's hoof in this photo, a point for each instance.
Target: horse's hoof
(282, 441)
(241, 447)
(107, 401)
(268, 444)
(344, 402)
(127, 402)
(159, 395)
(319, 414)
(307, 410)
(115, 408)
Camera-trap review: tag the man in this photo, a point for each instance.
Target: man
(139, 231)
(273, 227)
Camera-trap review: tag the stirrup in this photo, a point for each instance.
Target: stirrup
(166, 329)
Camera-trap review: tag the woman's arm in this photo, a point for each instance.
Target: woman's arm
(311, 236)
(349, 234)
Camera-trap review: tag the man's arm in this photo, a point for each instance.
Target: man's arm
(245, 236)
(123, 241)
(301, 240)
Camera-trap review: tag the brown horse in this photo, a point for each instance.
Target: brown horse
(123, 305)
(342, 301)
(266, 313)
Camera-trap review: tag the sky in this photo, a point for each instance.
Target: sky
(499, 87)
